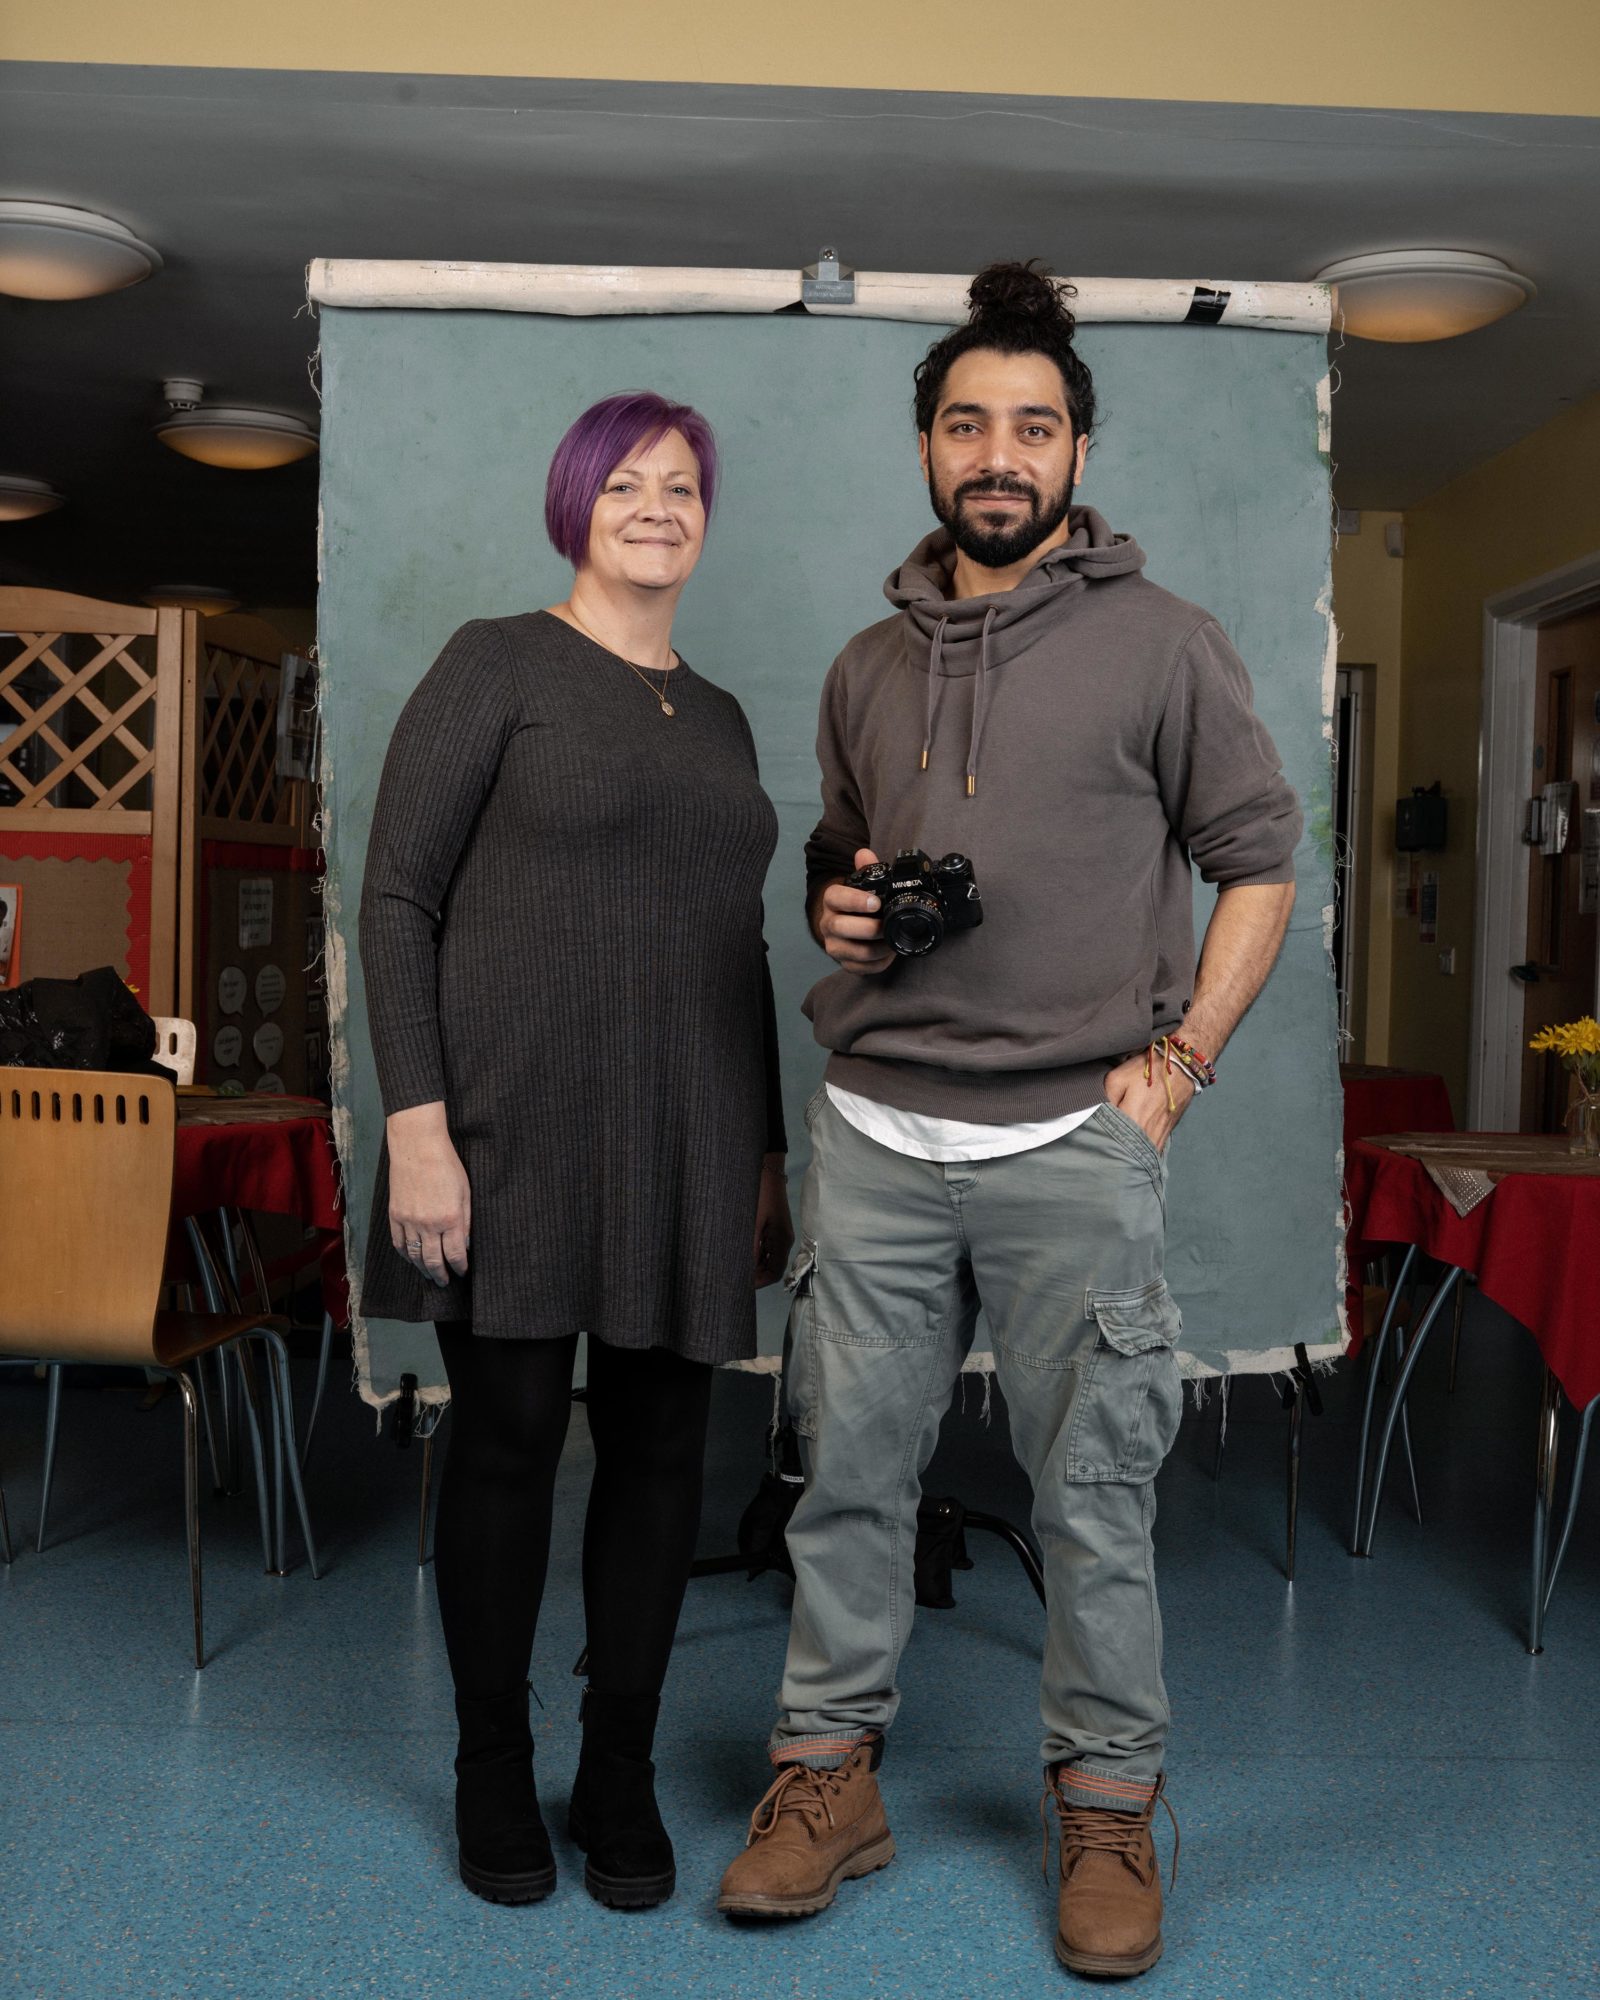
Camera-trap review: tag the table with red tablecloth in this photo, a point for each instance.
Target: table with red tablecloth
(268, 1155)
(1533, 1244)
(1378, 1099)
(1529, 1236)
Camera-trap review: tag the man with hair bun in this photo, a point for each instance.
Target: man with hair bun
(993, 1126)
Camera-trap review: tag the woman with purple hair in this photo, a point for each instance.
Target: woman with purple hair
(574, 1035)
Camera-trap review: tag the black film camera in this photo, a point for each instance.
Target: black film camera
(921, 899)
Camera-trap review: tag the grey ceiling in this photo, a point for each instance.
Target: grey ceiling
(240, 177)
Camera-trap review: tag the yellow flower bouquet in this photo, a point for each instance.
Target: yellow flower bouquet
(1578, 1045)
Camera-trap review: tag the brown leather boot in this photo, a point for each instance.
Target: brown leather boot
(1110, 1917)
(812, 1831)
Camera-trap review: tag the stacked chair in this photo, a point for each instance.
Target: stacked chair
(86, 1168)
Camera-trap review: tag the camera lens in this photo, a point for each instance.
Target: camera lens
(913, 926)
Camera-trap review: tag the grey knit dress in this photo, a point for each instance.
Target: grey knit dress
(561, 938)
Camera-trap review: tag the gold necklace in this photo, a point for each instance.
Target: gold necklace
(640, 673)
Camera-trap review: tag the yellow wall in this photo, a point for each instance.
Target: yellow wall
(1367, 591)
(296, 623)
(1507, 521)
(1442, 55)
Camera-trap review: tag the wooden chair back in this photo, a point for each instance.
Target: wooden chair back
(86, 1160)
(175, 1046)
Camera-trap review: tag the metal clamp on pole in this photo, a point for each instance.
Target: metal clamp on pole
(827, 282)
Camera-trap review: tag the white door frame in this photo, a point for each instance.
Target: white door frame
(1511, 622)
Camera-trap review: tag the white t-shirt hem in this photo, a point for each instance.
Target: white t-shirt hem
(948, 1139)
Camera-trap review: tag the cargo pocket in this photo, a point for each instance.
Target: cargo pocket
(800, 1341)
(1129, 1397)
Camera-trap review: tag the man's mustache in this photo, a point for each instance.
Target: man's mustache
(1015, 488)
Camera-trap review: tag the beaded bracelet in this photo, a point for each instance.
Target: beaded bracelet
(1199, 1068)
(1183, 1057)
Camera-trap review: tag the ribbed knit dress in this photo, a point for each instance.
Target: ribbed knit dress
(561, 938)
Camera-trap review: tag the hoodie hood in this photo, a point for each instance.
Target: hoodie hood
(918, 587)
(970, 635)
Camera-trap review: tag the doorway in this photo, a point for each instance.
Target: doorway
(1535, 959)
(1563, 838)
(1353, 711)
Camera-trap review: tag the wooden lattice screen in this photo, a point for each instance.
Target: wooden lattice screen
(91, 720)
(243, 793)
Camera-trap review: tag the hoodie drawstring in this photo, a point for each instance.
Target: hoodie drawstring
(935, 665)
(980, 696)
(980, 703)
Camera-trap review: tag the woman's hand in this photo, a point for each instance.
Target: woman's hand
(430, 1202)
(774, 1230)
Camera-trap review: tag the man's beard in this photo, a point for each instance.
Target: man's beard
(1000, 542)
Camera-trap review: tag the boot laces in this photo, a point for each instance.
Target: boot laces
(798, 1790)
(1102, 1829)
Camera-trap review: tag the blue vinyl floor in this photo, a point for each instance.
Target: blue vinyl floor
(1380, 1792)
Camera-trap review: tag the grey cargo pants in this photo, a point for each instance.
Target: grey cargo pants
(1063, 1247)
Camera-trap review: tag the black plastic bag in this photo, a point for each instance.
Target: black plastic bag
(91, 1022)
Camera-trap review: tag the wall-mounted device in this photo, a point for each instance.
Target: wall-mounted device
(1549, 822)
(1421, 822)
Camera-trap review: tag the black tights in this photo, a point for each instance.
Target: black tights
(509, 1404)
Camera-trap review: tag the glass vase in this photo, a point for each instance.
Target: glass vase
(1583, 1126)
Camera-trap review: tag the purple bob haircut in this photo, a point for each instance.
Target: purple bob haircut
(598, 442)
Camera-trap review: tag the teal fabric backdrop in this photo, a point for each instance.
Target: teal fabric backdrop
(437, 430)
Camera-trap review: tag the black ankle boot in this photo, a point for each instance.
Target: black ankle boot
(504, 1850)
(613, 1816)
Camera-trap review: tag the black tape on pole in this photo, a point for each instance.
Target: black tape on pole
(1207, 306)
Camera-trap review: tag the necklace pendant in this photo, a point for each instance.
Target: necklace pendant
(667, 707)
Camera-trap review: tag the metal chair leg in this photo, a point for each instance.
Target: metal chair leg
(1397, 1398)
(427, 1496)
(322, 1382)
(1544, 1497)
(290, 1461)
(211, 1285)
(204, 1390)
(52, 1432)
(252, 1251)
(249, 1398)
(275, 1418)
(230, 1256)
(1574, 1488)
(1407, 1449)
(1016, 1541)
(1297, 1411)
(1374, 1365)
(227, 1406)
(191, 1503)
(1455, 1339)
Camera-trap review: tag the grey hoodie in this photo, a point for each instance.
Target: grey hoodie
(1082, 737)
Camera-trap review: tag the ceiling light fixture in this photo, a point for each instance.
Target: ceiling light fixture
(48, 251)
(237, 437)
(25, 499)
(1410, 295)
(207, 598)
